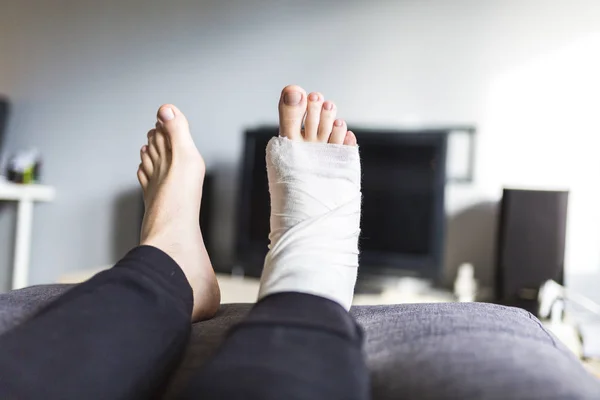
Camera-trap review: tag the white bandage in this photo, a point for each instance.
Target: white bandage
(315, 219)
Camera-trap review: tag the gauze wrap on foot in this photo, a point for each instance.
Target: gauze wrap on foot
(315, 219)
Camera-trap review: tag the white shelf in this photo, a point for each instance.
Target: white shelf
(17, 192)
(25, 196)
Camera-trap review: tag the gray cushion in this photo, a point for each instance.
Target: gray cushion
(414, 351)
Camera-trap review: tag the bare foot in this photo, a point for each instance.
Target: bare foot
(171, 175)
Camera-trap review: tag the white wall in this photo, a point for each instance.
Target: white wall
(86, 77)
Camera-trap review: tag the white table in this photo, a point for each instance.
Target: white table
(25, 196)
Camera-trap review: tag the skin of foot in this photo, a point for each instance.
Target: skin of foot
(317, 114)
(171, 175)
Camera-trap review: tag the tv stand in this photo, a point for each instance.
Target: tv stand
(381, 289)
(368, 286)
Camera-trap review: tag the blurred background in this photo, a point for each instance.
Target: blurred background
(84, 79)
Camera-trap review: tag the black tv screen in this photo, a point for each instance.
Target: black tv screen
(403, 185)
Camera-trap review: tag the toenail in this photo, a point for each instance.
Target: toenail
(313, 97)
(166, 114)
(328, 106)
(292, 98)
(338, 122)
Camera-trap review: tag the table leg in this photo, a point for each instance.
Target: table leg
(22, 244)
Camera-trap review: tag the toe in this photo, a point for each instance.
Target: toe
(142, 178)
(160, 142)
(313, 114)
(328, 113)
(338, 133)
(152, 149)
(350, 139)
(292, 107)
(175, 127)
(147, 165)
(158, 126)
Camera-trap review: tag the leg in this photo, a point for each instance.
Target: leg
(291, 346)
(299, 341)
(114, 336)
(118, 335)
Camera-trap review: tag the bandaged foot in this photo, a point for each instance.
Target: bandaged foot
(314, 180)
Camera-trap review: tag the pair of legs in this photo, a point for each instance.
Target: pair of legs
(121, 334)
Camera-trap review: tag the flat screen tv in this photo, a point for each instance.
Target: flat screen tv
(403, 218)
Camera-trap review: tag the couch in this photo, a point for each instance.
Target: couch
(414, 351)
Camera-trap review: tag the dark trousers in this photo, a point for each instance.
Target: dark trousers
(122, 333)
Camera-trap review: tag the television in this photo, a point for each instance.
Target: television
(403, 218)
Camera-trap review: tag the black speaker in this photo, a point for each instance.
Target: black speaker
(207, 211)
(531, 245)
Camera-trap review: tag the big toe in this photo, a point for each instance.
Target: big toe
(292, 107)
(175, 126)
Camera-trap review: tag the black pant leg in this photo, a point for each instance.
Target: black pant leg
(116, 336)
(291, 346)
